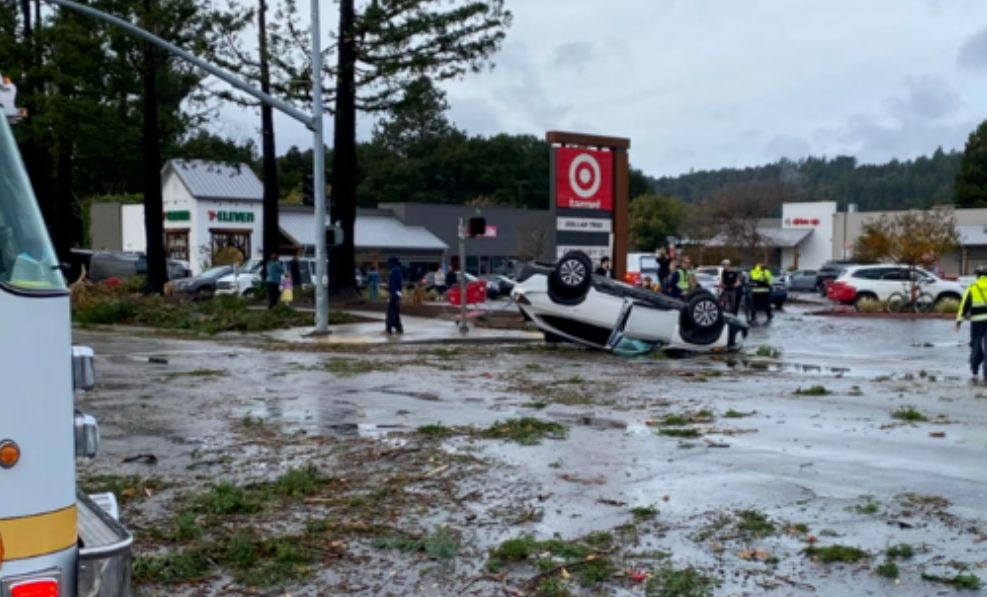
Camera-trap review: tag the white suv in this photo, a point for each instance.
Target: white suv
(879, 282)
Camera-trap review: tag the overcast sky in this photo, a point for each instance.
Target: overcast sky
(703, 84)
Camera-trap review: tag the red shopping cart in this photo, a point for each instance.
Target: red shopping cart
(476, 293)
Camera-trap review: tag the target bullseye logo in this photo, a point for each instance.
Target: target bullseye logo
(584, 179)
(584, 176)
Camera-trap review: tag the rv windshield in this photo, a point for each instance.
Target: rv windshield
(27, 261)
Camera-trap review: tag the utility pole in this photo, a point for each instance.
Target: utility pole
(272, 232)
(319, 165)
(157, 273)
(463, 326)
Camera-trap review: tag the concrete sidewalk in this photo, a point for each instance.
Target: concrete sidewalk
(417, 330)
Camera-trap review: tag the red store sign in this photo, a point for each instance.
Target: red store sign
(801, 222)
(584, 179)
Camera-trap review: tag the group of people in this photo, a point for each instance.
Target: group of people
(676, 278)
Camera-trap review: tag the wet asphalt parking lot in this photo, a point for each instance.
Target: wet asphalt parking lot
(669, 456)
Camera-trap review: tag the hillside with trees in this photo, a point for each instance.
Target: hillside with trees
(919, 183)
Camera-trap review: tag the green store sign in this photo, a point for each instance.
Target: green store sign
(239, 217)
(178, 216)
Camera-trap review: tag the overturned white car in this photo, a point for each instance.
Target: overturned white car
(569, 303)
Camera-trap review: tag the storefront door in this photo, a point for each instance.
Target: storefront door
(229, 241)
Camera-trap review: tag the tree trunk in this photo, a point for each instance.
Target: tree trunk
(272, 233)
(37, 162)
(157, 273)
(344, 162)
(68, 227)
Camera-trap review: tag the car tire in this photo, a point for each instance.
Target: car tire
(703, 311)
(571, 276)
(248, 293)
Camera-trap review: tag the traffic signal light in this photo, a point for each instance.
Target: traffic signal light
(478, 226)
(308, 190)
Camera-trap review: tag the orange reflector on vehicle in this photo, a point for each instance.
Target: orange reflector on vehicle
(37, 588)
(9, 454)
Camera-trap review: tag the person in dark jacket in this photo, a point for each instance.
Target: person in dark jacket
(452, 280)
(275, 271)
(605, 269)
(295, 269)
(395, 284)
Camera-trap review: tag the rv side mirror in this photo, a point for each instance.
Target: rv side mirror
(83, 371)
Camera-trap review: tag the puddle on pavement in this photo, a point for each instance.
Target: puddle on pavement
(771, 367)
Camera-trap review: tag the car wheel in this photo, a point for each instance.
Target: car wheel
(703, 311)
(206, 292)
(571, 276)
(248, 293)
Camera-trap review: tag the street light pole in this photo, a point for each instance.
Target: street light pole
(319, 164)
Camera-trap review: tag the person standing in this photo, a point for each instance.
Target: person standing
(690, 274)
(664, 267)
(439, 279)
(730, 282)
(761, 282)
(605, 269)
(287, 290)
(395, 284)
(373, 283)
(295, 268)
(974, 307)
(678, 280)
(275, 272)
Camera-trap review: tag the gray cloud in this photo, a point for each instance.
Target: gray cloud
(575, 54)
(475, 115)
(973, 53)
(787, 146)
(522, 92)
(926, 98)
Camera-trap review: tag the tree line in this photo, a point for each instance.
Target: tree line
(899, 184)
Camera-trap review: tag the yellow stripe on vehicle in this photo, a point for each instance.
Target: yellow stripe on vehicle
(33, 536)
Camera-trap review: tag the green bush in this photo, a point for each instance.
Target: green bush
(107, 312)
(872, 306)
(947, 306)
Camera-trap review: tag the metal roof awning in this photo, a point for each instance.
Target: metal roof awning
(372, 233)
(785, 238)
(780, 238)
(972, 236)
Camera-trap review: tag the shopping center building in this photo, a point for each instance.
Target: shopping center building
(809, 234)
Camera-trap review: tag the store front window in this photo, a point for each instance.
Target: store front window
(176, 245)
(228, 244)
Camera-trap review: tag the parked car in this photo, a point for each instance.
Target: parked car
(567, 302)
(803, 280)
(104, 265)
(204, 284)
(504, 284)
(879, 282)
(241, 281)
(829, 272)
(708, 282)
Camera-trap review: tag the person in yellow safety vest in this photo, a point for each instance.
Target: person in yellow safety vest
(974, 307)
(761, 282)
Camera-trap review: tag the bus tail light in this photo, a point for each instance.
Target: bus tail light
(43, 587)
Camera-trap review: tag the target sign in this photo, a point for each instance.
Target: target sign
(584, 179)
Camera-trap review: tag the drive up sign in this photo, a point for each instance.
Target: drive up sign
(584, 179)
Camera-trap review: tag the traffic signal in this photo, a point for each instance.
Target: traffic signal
(478, 226)
(308, 190)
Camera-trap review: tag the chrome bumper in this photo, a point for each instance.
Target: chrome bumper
(104, 553)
